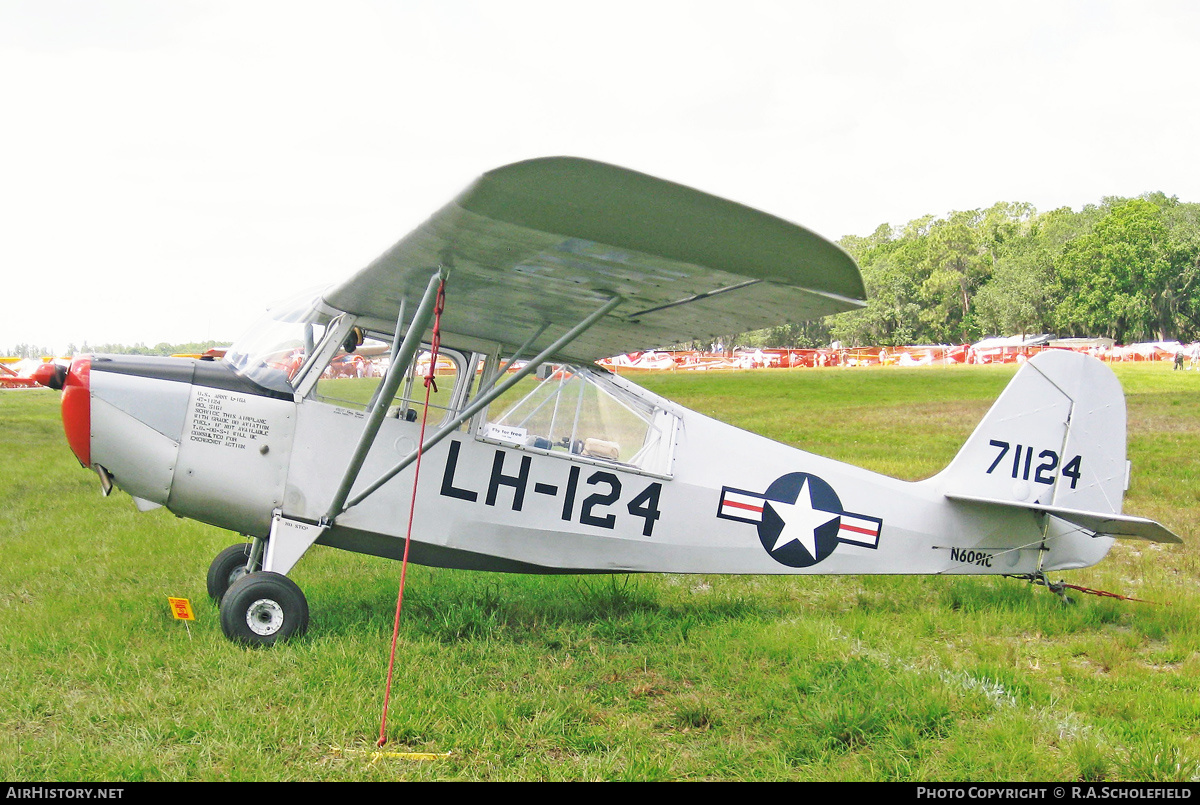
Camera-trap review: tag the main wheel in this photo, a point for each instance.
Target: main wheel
(261, 609)
(228, 567)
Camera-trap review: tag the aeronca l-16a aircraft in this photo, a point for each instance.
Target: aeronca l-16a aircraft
(537, 460)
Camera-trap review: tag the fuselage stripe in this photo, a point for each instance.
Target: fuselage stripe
(746, 506)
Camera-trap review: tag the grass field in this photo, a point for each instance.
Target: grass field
(612, 678)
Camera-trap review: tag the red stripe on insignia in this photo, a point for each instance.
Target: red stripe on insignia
(737, 505)
(871, 532)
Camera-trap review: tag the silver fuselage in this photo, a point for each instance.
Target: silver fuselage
(211, 445)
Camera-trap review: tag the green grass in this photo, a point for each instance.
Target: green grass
(611, 678)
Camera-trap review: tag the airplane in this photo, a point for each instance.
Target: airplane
(11, 378)
(529, 457)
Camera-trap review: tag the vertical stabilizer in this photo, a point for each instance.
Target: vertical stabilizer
(1056, 436)
(1054, 439)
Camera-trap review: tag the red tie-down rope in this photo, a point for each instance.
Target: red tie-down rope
(430, 384)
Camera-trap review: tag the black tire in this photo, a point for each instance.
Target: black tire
(261, 609)
(228, 567)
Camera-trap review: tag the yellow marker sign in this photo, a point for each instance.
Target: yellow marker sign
(181, 608)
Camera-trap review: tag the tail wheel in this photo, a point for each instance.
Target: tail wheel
(228, 567)
(261, 609)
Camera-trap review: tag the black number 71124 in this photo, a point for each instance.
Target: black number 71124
(1024, 468)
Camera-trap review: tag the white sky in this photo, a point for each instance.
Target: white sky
(170, 167)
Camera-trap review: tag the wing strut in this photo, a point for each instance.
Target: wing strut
(401, 359)
(516, 356)
(479, 403)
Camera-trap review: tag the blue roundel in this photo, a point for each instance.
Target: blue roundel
(801, 529)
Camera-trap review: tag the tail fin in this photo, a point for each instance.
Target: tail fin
(1055, 436)
(1054, 442)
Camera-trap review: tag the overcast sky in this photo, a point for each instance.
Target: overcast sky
(170, 168)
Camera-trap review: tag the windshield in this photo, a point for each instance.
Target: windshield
(276, 346)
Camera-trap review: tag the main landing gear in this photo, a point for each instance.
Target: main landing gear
(257, 608)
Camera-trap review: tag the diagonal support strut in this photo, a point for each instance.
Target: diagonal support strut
(480, 402)
(391, 382)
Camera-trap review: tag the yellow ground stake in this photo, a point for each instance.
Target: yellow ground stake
(377, 755)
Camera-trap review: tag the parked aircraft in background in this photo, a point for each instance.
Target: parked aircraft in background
(11, 378)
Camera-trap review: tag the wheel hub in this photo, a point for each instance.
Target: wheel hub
(236, 574)
(264, 617)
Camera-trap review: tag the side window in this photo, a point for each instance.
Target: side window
(409, 402)
(580, 413)
(354, 380)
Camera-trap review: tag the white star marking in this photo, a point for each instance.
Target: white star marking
(800, 521)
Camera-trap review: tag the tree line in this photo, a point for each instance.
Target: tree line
(1127, 269)
(162, 348)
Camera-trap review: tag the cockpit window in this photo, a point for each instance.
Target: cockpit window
(354, 380)
(581, 412)
(272, 351)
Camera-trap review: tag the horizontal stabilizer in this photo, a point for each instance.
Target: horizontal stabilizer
(1121, 526)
